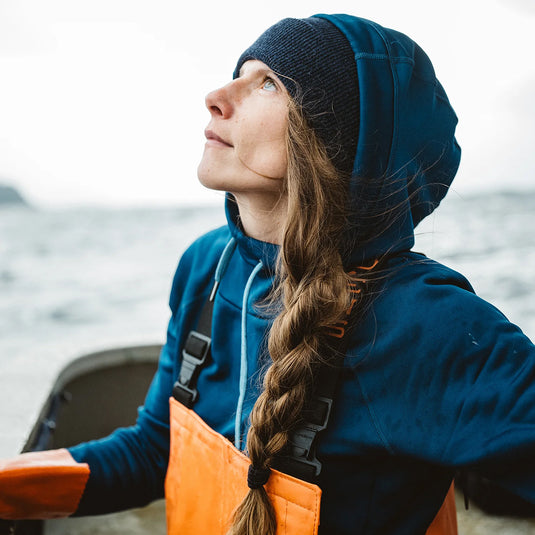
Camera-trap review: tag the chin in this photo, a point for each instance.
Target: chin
(208, 180)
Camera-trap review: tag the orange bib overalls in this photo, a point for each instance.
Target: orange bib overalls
(207, 479)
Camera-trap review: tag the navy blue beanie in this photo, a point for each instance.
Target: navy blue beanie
(317, 66)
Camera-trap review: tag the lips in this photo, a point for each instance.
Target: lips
(212, 136)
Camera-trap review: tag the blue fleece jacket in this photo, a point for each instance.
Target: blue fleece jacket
(434, 379)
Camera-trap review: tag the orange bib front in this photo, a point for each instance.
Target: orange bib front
(207, 479)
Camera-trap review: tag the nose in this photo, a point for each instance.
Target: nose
(220, 102)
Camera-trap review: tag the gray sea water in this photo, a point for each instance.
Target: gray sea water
(74, 281)
(78, 280)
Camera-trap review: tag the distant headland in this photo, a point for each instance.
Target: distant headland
(10, 196)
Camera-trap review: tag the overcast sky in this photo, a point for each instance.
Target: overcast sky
(102, 101)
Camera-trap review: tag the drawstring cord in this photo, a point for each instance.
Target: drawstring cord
(219, 272)
(243, 356)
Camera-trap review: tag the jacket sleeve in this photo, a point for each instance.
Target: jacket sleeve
(467, 394)
(127, 468)
(490, 402)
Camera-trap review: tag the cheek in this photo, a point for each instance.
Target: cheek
(263, 149)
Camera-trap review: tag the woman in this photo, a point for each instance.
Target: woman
(334, 140)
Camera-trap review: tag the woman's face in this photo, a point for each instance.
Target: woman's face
(245, 149)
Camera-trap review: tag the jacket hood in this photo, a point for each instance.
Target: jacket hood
(406, 153)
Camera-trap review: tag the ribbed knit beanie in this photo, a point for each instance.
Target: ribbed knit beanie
(315, 62)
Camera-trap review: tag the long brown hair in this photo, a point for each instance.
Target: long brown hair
(310, 295)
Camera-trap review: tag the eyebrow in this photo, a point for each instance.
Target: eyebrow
(260, 70)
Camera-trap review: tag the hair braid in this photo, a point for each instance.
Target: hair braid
(311, 294)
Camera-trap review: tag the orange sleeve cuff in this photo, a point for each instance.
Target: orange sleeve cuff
(42, 484)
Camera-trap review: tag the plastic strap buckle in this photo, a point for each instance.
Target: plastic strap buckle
(302, 440)
(194, 356)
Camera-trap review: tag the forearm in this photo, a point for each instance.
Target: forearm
(127, 468)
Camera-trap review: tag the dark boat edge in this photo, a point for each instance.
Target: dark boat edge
(91, 396)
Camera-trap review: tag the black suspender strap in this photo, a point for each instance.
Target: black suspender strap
(299, 458)
(195, 356)
(196, 352)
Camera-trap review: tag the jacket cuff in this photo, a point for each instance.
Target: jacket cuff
(42, 484)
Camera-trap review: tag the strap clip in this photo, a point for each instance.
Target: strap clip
(318, 412)
(194, 356)
(300, 459)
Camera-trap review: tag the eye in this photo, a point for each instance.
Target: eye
(269, 84)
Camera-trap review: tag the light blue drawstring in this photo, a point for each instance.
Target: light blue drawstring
(219, 272)
(243, 356)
